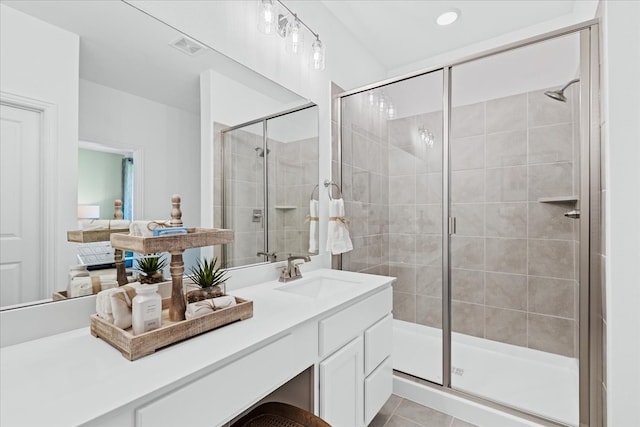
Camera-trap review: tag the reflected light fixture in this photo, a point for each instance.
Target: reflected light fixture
(426, 136)
(274, 17)
(382, 102)
(266, 17)
(448, 17)
(391, 111)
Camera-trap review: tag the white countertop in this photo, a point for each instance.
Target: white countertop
(73, 377)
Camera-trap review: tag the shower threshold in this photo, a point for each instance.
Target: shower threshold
(541, 383)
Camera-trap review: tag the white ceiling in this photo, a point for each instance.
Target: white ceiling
(402, 32)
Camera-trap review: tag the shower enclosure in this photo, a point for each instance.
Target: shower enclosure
(471, 185)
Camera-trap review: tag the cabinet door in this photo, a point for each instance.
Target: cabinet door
(341, 386)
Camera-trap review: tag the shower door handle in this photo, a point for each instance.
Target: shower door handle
(452, 225)
(574, 214)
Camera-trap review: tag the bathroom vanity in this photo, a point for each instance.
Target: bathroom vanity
(335, 324)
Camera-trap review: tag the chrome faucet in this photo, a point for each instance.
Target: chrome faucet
(292, 271)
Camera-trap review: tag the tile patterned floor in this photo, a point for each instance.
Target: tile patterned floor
(399, 412)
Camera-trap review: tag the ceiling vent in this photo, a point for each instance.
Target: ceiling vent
(188, 46)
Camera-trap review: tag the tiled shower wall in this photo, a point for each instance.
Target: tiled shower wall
(513, 259)
(365, 177)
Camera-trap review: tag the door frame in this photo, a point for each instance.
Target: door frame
(48, 180)
(590, 334)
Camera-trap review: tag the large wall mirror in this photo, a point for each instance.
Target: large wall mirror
(138, 100)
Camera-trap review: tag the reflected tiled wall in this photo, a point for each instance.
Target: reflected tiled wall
(293, 172)
(514, 258)
(293, 169)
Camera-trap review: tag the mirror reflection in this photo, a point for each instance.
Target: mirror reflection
(270, 163)
(122, 84)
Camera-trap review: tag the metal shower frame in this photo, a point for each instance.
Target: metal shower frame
(589, 315)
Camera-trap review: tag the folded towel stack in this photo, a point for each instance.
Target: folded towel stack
(114, 305)
(200, 308)
(145, 228)
(104, 224)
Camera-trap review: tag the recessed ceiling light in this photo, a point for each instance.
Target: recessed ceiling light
(449, 17)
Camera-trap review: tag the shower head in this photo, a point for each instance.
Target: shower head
(260, 151)
(558, 95)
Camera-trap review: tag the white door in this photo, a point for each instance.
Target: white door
(341, 386)
(21, 207)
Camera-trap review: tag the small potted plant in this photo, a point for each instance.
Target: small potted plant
(209, 278)
(151, 268)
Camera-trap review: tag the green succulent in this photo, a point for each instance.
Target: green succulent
(150, 265)
(205, 273)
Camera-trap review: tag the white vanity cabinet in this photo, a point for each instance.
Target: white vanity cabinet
(355, 374)
(342, 343)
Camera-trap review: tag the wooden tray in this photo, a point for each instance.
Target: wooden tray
(195, 238)
(134, 347)
(90, 236)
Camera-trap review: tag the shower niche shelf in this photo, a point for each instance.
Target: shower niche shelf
(558, 199)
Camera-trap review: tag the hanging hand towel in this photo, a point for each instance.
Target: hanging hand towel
(338, 240)
(313, 226)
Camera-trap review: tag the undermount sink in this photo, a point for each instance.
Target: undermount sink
(318, 287)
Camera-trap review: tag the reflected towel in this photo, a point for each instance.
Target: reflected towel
(313, 226)
(104, 224)
(200, 308)
(338, 240)
(145, 228)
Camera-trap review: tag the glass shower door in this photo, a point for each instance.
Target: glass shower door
(514, 179)
(392, 183)
(244, 194)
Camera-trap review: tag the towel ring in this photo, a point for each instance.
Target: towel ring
(328, 185)
(314, 189)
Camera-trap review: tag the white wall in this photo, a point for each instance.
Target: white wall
(40, 61)
(621, 136)
(168, 138)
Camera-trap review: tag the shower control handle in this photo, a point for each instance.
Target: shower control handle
(574, 214)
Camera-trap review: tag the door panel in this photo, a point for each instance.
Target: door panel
(21, 213)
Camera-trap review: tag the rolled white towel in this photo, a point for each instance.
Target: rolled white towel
(103, 304)
(121, 304)
(145, 228)
(207, 306)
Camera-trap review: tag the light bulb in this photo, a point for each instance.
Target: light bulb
(317, 55)
(295, 37)
(266, 17)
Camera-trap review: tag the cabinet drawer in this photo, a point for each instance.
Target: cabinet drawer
(378, 340)
(345, 325)
(233, 387)
(377, 389)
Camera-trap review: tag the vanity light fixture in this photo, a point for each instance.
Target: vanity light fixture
(426, 136)
(448, 17)
(287, 25)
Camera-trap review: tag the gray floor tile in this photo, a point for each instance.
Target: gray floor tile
(422, 415)
(398, 421)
